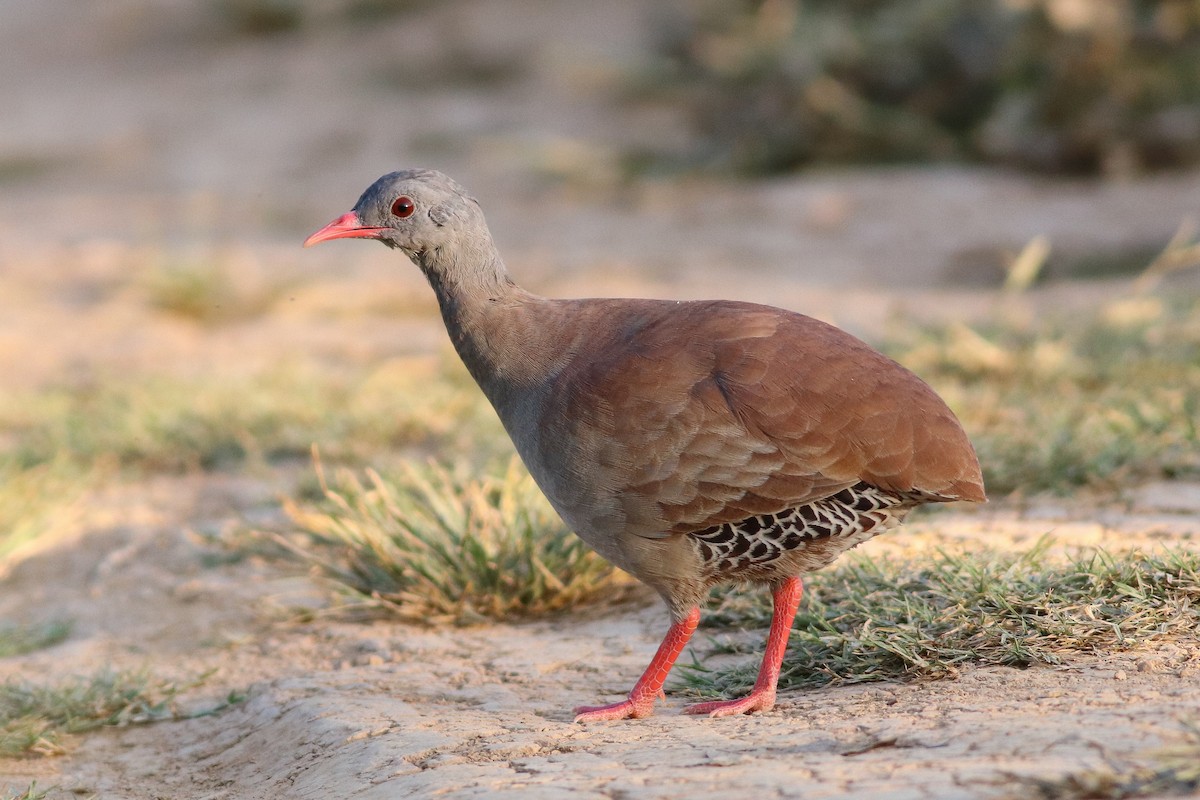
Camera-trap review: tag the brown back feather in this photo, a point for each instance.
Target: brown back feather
(713, 412)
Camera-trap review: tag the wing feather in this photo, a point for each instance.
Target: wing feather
(719, 411)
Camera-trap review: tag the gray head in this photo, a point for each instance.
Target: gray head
(420, 211)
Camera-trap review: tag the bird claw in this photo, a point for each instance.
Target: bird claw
(755, 701)
(626, 709)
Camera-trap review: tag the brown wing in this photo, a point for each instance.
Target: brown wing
(713, 412)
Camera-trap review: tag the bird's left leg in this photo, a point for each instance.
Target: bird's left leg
(641, 700)
(762, 696)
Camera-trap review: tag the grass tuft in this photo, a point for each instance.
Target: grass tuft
(888, 619)
(432, 546)
(18, 639)
(38, 502)
(35, 719)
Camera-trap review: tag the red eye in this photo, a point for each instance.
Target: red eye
(403, 207)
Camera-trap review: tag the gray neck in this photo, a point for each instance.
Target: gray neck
(494, 324)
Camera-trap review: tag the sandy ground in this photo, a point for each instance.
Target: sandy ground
(342, 709)
(137, 132)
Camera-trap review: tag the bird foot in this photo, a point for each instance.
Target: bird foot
(626, 709)
(755, 701)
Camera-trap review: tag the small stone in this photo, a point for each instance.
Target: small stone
(1120, 675)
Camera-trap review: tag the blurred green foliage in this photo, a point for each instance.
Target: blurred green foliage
(263, 18)
(1058, 401)
(1072, 86)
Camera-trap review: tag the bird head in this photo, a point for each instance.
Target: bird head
(419, 211)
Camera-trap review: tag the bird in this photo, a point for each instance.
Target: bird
(689, 443)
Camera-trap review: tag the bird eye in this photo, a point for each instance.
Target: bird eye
(403, 207)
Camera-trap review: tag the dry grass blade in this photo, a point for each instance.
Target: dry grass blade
(887, 619)
(1029, 263)
(1181, 253)
(431, 546)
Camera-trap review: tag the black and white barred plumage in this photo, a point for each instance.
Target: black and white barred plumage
(750, 549)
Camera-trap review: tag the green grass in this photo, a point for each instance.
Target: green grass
(36, 719)
(1101, 399)
(889, 619)
(38, 501)
(155, 424)
(18, 639)
(430, 545)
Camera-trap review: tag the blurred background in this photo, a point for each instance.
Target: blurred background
(667, 135)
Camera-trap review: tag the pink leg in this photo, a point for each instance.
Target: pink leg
(649, 686)
(762, 696)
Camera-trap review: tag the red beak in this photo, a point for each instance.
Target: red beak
(347, 226)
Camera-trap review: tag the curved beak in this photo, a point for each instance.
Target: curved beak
(347, 226)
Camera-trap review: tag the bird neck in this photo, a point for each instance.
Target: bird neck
(463, 282)
(494, 324)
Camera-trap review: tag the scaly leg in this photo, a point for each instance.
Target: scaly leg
(762, 696)
(649, 686)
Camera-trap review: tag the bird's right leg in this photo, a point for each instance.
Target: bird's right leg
(649, 686)
(762, 696)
